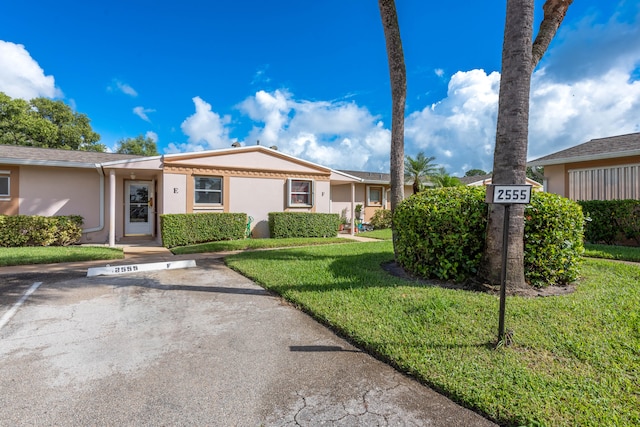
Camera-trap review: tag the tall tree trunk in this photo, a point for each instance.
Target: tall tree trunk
(519, 58)
(397, 74)
(510, 155)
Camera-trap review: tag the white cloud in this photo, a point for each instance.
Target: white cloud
(152, 136)
(260, 77)
(205, 129)
(566, 114)
(580, 92)
(460, 129)
(21, 76)
(142, 113)
(339, 134)
(570, 104)
(119, 86)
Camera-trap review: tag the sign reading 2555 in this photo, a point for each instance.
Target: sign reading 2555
(509, 194)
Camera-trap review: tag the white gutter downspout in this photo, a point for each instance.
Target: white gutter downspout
(112, 208)
(101, 203)
(353, 201)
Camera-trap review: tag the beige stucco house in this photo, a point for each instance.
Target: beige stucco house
(373, 192)
(123, 195)
(600, 169)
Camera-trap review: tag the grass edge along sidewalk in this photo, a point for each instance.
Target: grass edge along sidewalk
(575, 358)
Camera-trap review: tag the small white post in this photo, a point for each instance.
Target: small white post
(112, 208)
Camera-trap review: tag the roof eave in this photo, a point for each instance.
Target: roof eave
(349, 178)
(577, 159)
(51, 163)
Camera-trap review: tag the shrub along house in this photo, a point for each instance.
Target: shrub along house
(600, 169)
(123, 195)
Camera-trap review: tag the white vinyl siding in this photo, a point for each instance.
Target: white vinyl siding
(606, 183)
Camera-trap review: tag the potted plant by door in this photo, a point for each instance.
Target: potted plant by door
(343, 220)
(358, 211)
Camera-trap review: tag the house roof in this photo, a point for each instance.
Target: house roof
(596, 149)
(17, 154)
(487, 179)
(469, 180)
(21, 155)
(370, 177)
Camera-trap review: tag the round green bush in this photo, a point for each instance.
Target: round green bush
(381, 219)
(441, 235)
(440, 232)
(553, 240)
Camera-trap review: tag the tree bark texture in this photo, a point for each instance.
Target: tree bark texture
(554, 13)
(398, 79)
(510, 155)
(519, 59)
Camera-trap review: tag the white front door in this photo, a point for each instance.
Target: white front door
(138, 211)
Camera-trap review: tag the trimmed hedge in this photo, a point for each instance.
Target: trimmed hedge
(441, 234)
(612, 221)
(553, 240)
(303, 224)
(193, 228)
(381, 219)
(35, 230)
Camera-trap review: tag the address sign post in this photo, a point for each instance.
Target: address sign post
(506, 195)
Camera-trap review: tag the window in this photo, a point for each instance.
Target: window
(208, 190)
(300, 192)
(374, 195)
(4, 185)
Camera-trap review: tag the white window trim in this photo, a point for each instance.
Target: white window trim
(382, 196)
(5, 174)
(311, 195)
(196, 190)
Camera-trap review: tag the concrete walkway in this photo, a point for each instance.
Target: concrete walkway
(199, 346)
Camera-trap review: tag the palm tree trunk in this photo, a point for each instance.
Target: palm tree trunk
(510, 156)
(519, 59)
(397, 74)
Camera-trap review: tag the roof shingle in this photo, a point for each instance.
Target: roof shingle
(37, 154)
(601, 148)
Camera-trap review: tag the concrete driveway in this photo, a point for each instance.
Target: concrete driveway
(198, 346)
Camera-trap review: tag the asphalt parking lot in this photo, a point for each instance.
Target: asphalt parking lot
(196, 346)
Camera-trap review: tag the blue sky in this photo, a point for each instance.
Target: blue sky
(312, 77)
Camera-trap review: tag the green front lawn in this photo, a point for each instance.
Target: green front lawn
(575, 358)
(247, 244)
(53, 254)
(382, 234)
(622, 253)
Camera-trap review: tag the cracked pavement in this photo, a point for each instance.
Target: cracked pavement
(199, 346)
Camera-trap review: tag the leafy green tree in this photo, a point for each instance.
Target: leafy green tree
(45, 123)
(419, 169)
(475, 172)
(536, 173)
(139, 145)
(443, 179)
